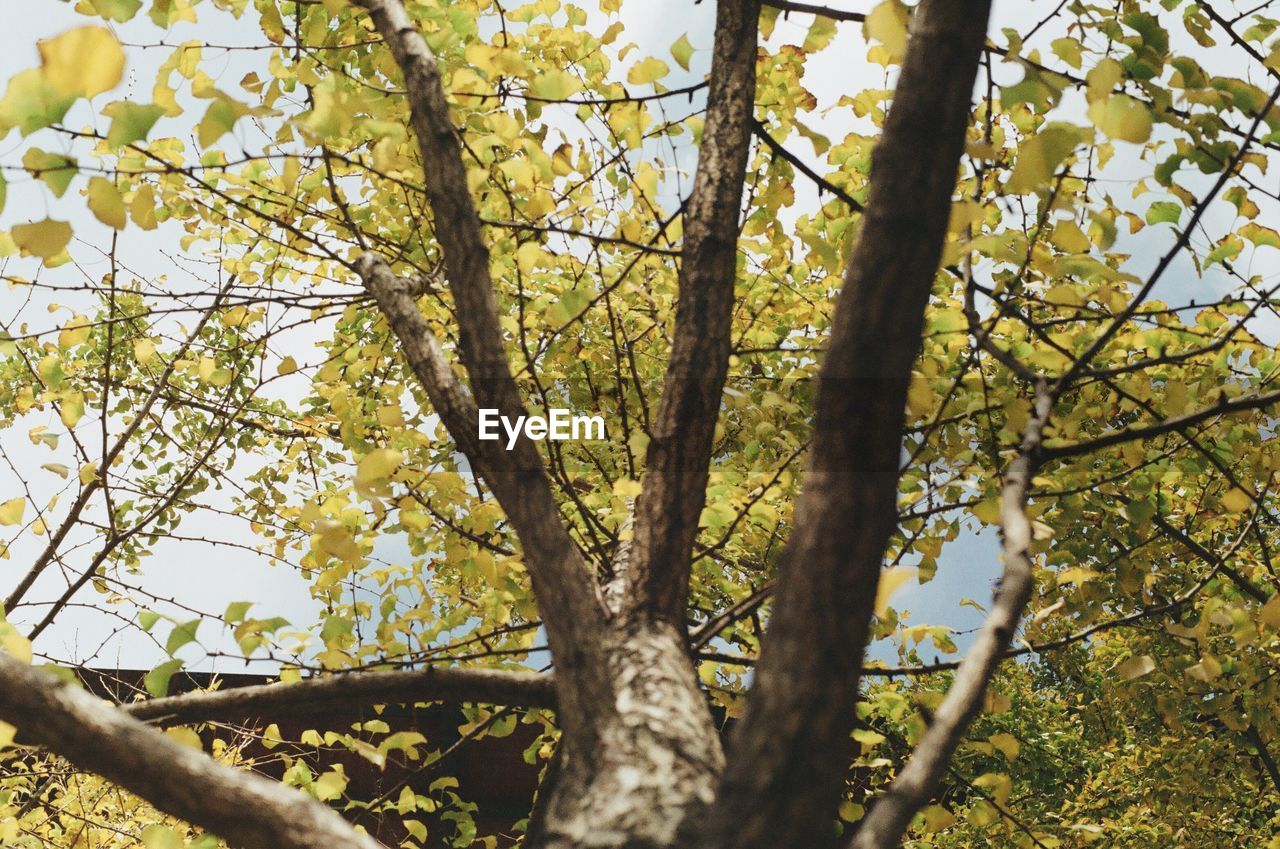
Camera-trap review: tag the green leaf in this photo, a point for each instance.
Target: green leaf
(681, 51)
(236, 611)
(1040, 156)
(820, 34)
(157, 680)
(130, 122)
(120, 11)
(30, 103)
(218, 120)
(53, 169)
(1164, 212)
(1121, 117)
(181, 635)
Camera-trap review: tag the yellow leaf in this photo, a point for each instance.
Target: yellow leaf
(11, 511)
(647, 71)
(186, 737)
(554, 85)
(1236, 500)
(75, 332)
(106, 203)
(378, 464)
(527, 256)
(142, 209)
(88, 472)
(287, 366)
(45, 239)
(936, 818)
(920, 395)
(1006, 744)
(1206, 670)
(682, 51)
(1135, 667)
(14, 644)
(887, 24)
(988, 511)
(82, 62)
(1122, 117)
(891, 580)
(72, 408)
(144, 350)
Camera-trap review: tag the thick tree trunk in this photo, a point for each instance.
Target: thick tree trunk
(659, 757)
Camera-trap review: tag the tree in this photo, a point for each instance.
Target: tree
(1016, 296)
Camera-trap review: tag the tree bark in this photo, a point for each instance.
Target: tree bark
(317, 695)
(680, 446)
(247, 810)
(789, 756)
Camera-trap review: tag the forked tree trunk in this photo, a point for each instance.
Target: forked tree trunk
(659, 757)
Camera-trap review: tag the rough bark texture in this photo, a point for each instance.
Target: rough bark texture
(246, 810)
(640, 751)
(788, 758)
(676, 466)
(659, 759)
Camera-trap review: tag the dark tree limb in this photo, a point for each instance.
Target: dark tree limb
(1171, 425)
(786, 6)
(246, 810)
(680, 446)
(360, 689)
(823, 184)
(787, 760)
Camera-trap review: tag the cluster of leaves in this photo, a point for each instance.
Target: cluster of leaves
(1096, 143)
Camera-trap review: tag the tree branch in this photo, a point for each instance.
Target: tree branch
(890, 815)
(821, 182)
(246, 810)
(681, 435)
(572, 607)
(786, 6)
(489, 686)
(1178, 423)
(800, 711)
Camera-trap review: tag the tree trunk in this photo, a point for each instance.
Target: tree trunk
(659, 756)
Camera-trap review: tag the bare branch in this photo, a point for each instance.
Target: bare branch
(786, 6)
(1176, 424)
(246, 810)
(890, 815)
